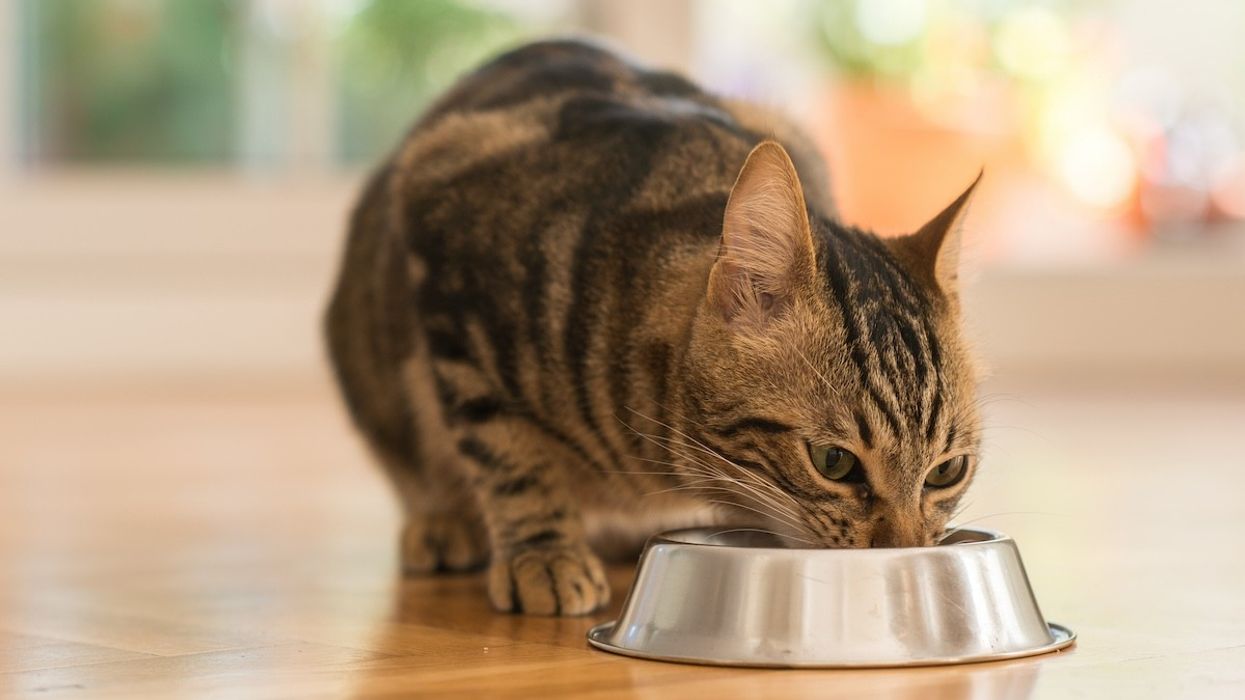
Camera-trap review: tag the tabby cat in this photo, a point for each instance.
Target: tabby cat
(584, 300)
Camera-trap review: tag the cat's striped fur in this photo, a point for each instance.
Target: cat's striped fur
(550, 324)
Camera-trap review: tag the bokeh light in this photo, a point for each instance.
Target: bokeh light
(1097, 165)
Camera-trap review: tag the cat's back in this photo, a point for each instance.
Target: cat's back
(540, 71)
(572, 123)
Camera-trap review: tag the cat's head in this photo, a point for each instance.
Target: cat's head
(827, 375)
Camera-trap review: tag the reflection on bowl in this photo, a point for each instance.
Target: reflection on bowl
(741, 598)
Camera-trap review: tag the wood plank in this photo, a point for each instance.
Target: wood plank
(241, 546)
(160, 676)
(29, 652)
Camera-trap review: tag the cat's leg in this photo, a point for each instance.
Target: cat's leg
(541, 561)
(449, 539)
(443, 529)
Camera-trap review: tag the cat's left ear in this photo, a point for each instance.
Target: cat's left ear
(766, 253)
(933, 252)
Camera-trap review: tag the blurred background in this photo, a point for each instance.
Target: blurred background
(174, 175)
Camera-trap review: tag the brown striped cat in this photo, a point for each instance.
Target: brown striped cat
(585, 300)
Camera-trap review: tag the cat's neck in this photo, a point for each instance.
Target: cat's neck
(680, 292)
(672, 311)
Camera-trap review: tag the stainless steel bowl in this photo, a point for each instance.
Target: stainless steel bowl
(741, 599)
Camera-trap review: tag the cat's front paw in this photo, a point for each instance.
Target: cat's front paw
(559, 580)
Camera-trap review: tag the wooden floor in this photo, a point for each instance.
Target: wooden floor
(234, 543)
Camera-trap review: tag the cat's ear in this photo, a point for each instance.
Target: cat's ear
(933, 252)
(766, 251)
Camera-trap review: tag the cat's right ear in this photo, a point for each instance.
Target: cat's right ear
(766, 249)
(933, 252)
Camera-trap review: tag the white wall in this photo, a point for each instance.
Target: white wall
(174, 277)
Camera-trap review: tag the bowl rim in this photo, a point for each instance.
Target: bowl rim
(987, 537)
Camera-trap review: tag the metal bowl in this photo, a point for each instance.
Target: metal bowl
(742, 599)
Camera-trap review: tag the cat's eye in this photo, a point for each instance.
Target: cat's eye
(948, 473)
(836, 463)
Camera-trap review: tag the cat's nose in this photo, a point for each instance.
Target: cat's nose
(889, 533)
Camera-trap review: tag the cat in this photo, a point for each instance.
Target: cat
(585, 299)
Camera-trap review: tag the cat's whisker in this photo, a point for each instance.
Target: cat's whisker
(773, 510)
(1009, 426)
(762, 531)
(703, 472)
(775, 494)
(760, 503)
(950, 532)
(708, 474)
(1005, 513)
(954, 529)
(759, 495)
(700, 446)
(776, 507)
(748, 473)
(818, 372)
(629, 472)
(656, 441)
(964, 525)
(959, 510)
(740, 505)
(1001, 397)
(672, 472)
(701, 478)
(779, 509)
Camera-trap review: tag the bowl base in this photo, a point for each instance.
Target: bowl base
(599, 636)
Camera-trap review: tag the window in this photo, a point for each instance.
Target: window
(259, 83)
(145, 80)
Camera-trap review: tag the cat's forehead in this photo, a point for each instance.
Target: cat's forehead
(894, 343)
(859, 269)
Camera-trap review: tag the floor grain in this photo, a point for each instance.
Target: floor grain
(209, 543)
